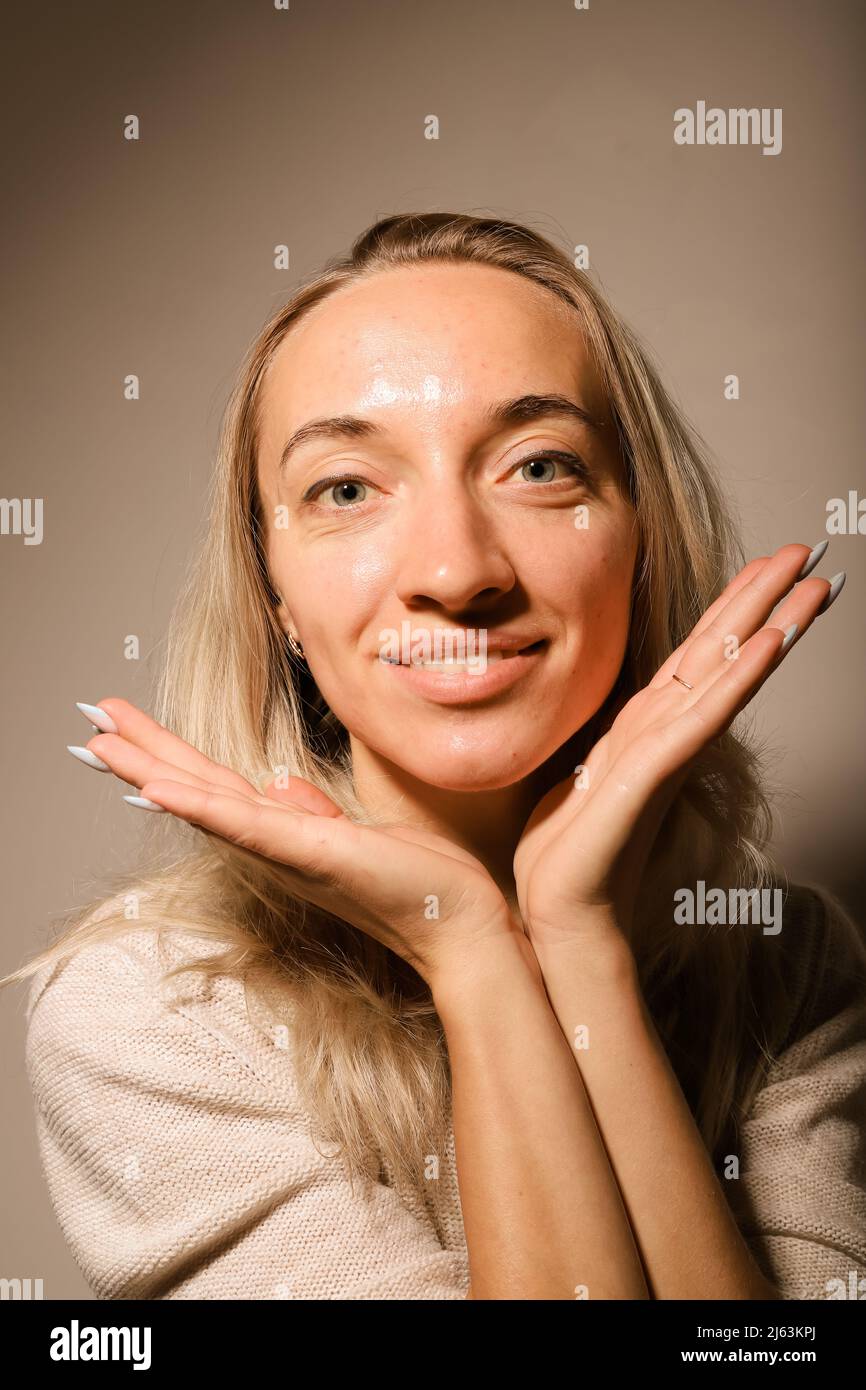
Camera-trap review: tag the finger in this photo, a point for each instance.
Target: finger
(303, 795)
(263, 827)
(133, 762)
(802, 607)
(666, 750)
(798, 612)
(745, 576)
(136, 766)
(145, 733)
(723, 639)
(716, 706)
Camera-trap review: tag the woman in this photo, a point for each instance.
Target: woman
(415, 1011)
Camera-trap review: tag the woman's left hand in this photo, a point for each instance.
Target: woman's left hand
(580, 859)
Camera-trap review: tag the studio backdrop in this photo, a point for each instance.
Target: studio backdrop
(173, 171)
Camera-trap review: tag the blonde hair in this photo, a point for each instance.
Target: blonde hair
(368, 1046)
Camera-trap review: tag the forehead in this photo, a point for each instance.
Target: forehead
(432, 335)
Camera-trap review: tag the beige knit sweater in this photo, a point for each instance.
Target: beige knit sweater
(181, 1164)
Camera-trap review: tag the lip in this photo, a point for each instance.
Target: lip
(463, 688)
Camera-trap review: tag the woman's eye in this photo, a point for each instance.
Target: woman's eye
(344, 492)
(544, 466)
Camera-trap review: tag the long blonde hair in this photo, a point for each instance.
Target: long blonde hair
(368, 1046)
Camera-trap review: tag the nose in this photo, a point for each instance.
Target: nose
(452, 556)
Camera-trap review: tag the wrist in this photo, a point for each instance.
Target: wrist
(489, 966)
(592, 939)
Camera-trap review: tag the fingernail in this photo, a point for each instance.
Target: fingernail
(98, 717)
(143, 802)
(789, 637)
(836, 584)
(812, 559)
(90, 759)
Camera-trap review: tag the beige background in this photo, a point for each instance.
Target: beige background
(260, 127)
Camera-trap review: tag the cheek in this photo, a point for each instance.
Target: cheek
(589, 584)
(606, 594)
(338, 596)
(585, 576)
(334, 592)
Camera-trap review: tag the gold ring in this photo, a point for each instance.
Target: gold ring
(682, 682)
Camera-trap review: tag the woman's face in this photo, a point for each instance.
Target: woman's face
(452, 500)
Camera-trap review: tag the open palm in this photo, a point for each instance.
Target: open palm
(586, 845)
(417, 893)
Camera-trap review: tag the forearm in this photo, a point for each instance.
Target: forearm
(689, 1242)
(542, 1212)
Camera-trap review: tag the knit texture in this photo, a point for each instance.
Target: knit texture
(180, 1162)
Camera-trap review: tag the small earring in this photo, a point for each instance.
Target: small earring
(296, 647)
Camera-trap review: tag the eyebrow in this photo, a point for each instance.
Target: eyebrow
(519, 411)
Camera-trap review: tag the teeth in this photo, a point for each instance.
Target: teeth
(476, 664)
(447, 666)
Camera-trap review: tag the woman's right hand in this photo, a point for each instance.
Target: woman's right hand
(387, 881)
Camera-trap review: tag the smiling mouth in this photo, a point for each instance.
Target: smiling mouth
(478, 662)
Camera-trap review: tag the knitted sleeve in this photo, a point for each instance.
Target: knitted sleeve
(178, 1158)
(803, 1149)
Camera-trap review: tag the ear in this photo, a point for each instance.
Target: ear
(283, 615)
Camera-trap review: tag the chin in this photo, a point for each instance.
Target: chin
(459, 765)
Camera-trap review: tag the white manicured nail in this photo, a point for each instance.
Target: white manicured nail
(98, 717)
(143, 802)
(812, 559)
(836, 584)
(789, 637)
(89, 759)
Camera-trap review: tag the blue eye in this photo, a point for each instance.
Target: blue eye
(552, 457)
(351, 484)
